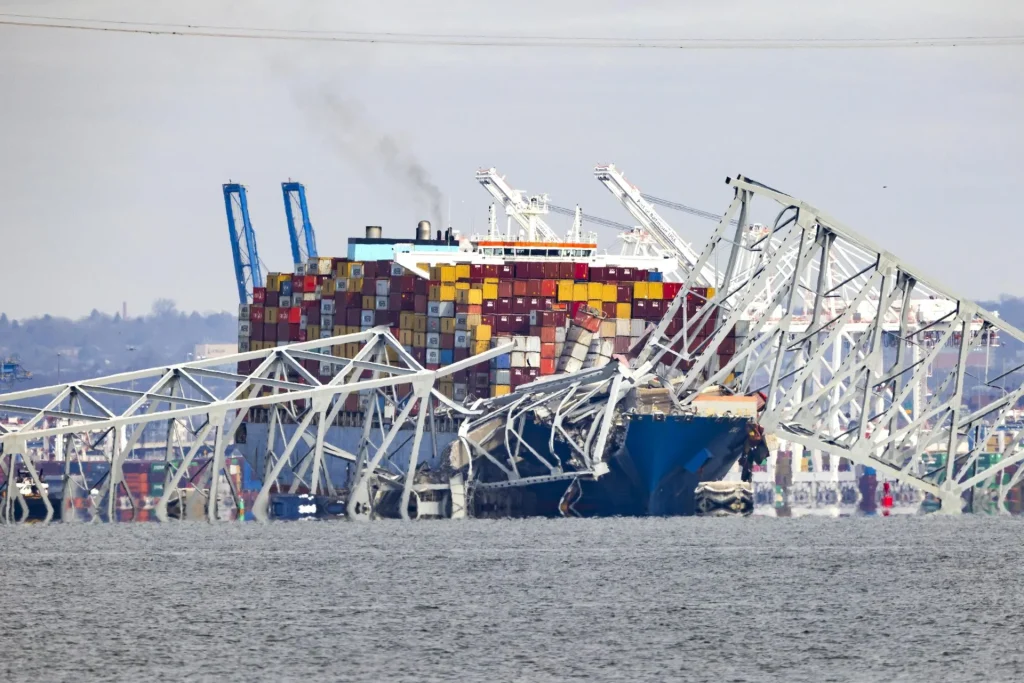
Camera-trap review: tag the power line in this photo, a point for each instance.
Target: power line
(590, 219)
(479, 40)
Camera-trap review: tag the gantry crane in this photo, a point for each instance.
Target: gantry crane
(304, 244)
(248, 273)
(524, 210)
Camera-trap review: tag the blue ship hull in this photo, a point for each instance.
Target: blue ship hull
(654, 472)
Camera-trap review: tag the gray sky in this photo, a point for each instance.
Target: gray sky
(113, 147)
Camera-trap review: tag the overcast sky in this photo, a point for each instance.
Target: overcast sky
(113, 147)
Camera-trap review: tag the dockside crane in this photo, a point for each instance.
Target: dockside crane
(248, 273)
(304, 244)
(666, 239)
(524, 210)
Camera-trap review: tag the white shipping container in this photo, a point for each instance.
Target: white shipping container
(608, 328)
(284, 301)
(243, 345)
(502, 377)
(366, 318)
(607, 348)
(461, 321)
(303, 321)
(434, 309)
(341, 284)
(460, 392)
(637, 327)
(243, 311)
(534, 318)
(433, 355)
(462, 338)
(310, 296)
(446, 309)
(433, 340)
(244, 328)
(397, 270)
(433, 324)
(383, 287)
(622, 327)
(300, 269)
(533, 345)
(326, 333)
(382, 303)
(533, 359)
(572, 365)
(365, 326)
(326, 321)
(327, 306)
(355, 271)
(326, 369)
(520, 343)
(560, 333)
(519, 359)
(324, 265)
(499, 341)
(579, 352)
(283, 343)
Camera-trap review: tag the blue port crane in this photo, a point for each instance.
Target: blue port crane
(243, 242)
(304, 245)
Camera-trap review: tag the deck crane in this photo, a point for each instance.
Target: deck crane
(524, 210)
(304, 245)
(666, 239)
(243, 241)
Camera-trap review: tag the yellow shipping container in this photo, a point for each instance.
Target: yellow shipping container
(420, 323)
(369, 303)
(434, 293)
(500, 390)
(338, 350)
(462, 285)
(405, 337)
(565, 288)
(447, 274)
(711, 292)
(482, 333)
(392, 354)
(479, 347)
(355, 284)
(595, 290)
(609, 293)
(447, 325)
(579, 291)
(447, 293)
(462, 271)
(655, 290)
(312, 332)
(490, 291)
(406, 320)
(595, 304)
(447, 388)
(419, 340)
(270, 315)
(338, 330)
(469, 296)
(352, 329)
(491, 281)
(639, 290)
(352, 349)
(327, 289)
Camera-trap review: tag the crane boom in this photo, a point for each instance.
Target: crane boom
(243, 242)
(658, 229)
(304, 245)
(526, 211)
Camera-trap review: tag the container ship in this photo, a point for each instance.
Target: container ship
(563, 306)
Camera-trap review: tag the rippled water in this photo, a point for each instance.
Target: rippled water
(917, 599)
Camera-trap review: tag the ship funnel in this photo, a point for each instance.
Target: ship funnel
(423, 230)
(373, 232)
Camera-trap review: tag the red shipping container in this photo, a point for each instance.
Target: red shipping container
(420, 303)
(626, 274)
(369, 270)
(547, 303)
(297, 283)
(620, 345)
(382, 317)
(548, 288)
(547, 349)
(522, 270)
(273, 299)
(518, 376)
(505, 289)
(550, 269)
(505, 305)
(352, 316)
(295, 315)
(488, 319)
(611, 274)
(504, 323)
(656, 308)
(535, 271)
(283, 327)
(270, 331)
(597, 274)
(574, 307)
(640, 275)
(547, 366)
(408, 301)
(727, 347)
(490, 306)
(519, 288)
(295, 333)
(354, 300)
(476, 270)
(533, 287)
(313, 316)
(420, 355)
(395, 301)
(521, 324)
(566, 270)
(461, 354)
(256, 314)
(421, 286)
(640, 308)
(259, 295)
(256, 331)
(580, 271)
(624, 294)
(476, 280)
(309, 283)
(490, 270)
(369, 287)
(670, 289)
(608, 308)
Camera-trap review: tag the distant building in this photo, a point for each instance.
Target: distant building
(202, 351)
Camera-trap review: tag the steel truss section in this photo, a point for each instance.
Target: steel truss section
(210, 400)
(840, 347)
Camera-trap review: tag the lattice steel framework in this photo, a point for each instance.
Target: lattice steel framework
(212, 399)
(838, 352)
